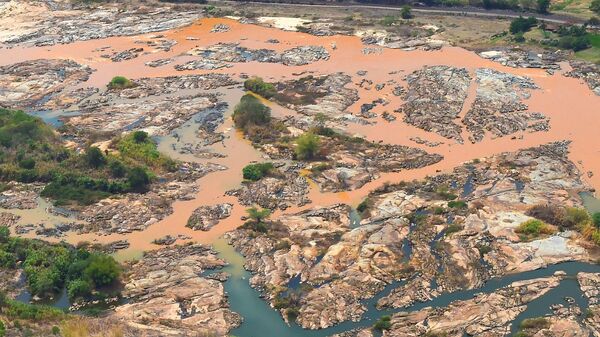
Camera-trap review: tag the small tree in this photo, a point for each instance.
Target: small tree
(138, 179)
(250, 111)
(258, 215)
(120, 82)
(307, 146)
(103, 270)
(596, 219)
(4, 234)
(406, 12)
(542, 6)
(94, 157)
(140, 136)
(595, 6)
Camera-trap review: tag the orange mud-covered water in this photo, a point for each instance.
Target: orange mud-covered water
(571, 107)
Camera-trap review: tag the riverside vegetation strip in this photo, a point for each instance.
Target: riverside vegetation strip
(283, 141)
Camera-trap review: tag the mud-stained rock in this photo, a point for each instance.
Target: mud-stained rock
(484, 315)
(167, 297)
(588, 72)
(434, 99)
(233, 52)
(203, 64)
(498, 107)
(311, 95)
(304, 55)
(124, 55)
(153, 104)
(590, 286)
(274, 192)
(135, 212)
(20, 196)
(205, 217)
(30, 83)
(518, 58)
(9, 219)
(46, 24)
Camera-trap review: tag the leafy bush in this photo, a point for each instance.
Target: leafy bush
(406, 13)
(260, 87)
(250, 111)
(27, 163)
(138, 147)
(94, 157)
(120, 82)
(595, 6)
(256, 172)
(383, 323)
(533, 228)
(596, 219)
(51, 267)
(535, 323)
(522, 25)
(307, 146)
(138, 179)
(457, 204)
(140, 136)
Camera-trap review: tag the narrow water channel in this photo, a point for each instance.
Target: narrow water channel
(260, 319)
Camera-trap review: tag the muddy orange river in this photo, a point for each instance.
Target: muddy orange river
(571, 107)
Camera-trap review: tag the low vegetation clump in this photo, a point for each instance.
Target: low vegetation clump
(30, 151)
(120, 82)
(15, 310)
(533, 228)
(522, 25)
(51, 267)
(260, 87)
(256, 219)
(139, 148)
(256, 172)
(383, 323)
(250, 112)
(460, 204)
(531, 326)
(308, 146)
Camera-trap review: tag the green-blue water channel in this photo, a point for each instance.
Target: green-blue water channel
(260, 320)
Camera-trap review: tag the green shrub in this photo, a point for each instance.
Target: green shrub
(2, 329)
(120, 82)
(27, 163)
(457, 204)
(117, 168)
(363, 206)
(79, 288)
(260, 87)
(595, 6)
(522, 25)
(55, 330)
(139, 148)
(596, 219)
(533, 228)
(138, 179)
(406, 12)
(250, 111)
(256, 172)
(383, 323)
(535, 323)
(140, 136)
(307, 146)
(94, 157)
(102, 269)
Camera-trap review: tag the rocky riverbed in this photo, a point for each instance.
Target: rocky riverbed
(414, 234)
